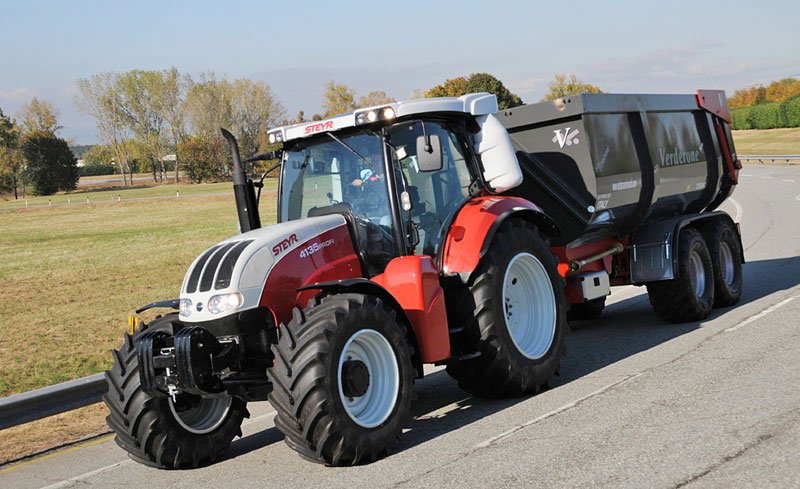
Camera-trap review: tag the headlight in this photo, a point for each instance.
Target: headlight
(186, 307)
(224, 302)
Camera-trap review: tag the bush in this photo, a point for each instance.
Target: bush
(771, 115)
(51, 164)
(95, 170)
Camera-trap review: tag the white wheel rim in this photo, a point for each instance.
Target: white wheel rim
(698, 273)
(529, 305)
(727, 262)
(205, 417)
(377, 403)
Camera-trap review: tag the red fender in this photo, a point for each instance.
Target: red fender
(414, 282)
(475, 225)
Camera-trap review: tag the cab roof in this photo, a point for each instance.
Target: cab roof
(475, 104)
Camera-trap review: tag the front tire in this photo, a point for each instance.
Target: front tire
(514, 315)
(690, 296)
(343, 380)
(161, 433)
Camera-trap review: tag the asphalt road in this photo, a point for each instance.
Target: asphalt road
(640, 403)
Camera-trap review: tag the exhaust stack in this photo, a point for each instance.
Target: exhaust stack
(243, 189)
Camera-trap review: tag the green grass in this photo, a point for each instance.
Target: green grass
(70, 275)
(81, 195)
(768, 141)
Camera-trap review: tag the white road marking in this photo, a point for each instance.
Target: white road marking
(739, 210)
(761, 314)
(745, 175)
(766, 178)
(787, 180)
(250, 421)
(797, 198)
(558, 410)
(70, 482)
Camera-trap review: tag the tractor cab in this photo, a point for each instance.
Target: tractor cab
(397, 185)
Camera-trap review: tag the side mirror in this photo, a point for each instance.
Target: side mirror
(430, 159)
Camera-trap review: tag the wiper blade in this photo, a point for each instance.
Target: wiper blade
(348, 147)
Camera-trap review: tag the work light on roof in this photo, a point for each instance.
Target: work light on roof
(275, 137)
(375, 115)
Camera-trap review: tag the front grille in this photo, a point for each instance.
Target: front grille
(211, 267)
(191, 285)
(226, 267)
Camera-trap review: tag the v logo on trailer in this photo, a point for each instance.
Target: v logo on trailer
(567, 138)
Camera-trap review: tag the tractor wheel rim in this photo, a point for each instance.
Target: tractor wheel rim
(529, 305)
(727, 262)
(698, 273)
(378, 401)
(205, 416)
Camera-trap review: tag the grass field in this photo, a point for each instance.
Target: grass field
(70, 275)
(106, 195)
(769, 142)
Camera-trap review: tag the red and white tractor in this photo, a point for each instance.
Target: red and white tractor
(398, 244)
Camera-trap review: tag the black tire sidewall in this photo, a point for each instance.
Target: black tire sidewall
(696, 244)
(725, 294)
(543, 254)
(395, 338)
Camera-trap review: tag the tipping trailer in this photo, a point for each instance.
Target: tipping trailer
(435, 231)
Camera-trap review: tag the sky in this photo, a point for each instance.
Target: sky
(297, 46)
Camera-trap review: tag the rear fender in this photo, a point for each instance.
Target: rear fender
(654, 246)
(475, 225)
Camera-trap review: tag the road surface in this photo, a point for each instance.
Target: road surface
(640, 403)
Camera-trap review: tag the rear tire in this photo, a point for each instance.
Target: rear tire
(343, 380)
(157, 432)
(518, 355)
(726, 260)
(586, 311)
(690, 296)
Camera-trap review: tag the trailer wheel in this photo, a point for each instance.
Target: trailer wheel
(690, 296)
(726, 260)
(586, 311)
(343, 380)
(513, 313)
(161, 433)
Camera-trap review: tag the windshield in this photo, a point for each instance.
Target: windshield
(346, 170)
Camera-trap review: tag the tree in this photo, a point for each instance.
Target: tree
(247, 108)
(98, 97)
(476, 83)
(205, 158)
(253, 111)
(39, 115)
(454, 87)
(374, 98)
(338, 99)
(10, 160)
(563, 86)
(51, 165)
(780, 90)
(484, 82)
(748, 97)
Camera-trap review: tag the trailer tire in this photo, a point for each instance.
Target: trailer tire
(726, 260)
(520, 355)
(586, 311)
(150, 429)
(690, 296)
(341, 343)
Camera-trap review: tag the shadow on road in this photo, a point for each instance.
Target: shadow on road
(626, 328)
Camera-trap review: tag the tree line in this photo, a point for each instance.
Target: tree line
(776, 105)
(165, 122)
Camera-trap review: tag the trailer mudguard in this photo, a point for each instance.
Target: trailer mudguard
(654, 246)
(476, 223)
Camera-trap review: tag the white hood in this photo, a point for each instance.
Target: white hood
(257, 251)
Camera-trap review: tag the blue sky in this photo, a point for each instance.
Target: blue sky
(296, 46)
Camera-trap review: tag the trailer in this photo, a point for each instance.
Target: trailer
(435, 231)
